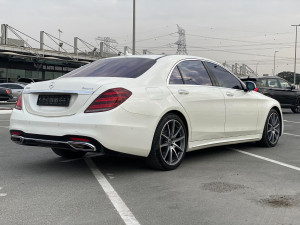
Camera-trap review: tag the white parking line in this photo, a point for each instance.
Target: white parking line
(296, 135)
(267, 159)
(4, 127)
(290, 121)
(113, 196)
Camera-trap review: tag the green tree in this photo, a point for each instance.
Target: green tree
(289, 76)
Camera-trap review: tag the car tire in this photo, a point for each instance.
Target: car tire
(65, 153)
(272, 129)
(296, 108)
(169, 143)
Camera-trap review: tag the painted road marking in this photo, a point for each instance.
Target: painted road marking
(290, 121)
(4, 127)
(267, 159)
(113, 196)
(296, 135)
(2, 194)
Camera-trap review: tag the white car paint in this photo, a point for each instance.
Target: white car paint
(214, 115)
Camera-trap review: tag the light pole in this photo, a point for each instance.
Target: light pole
(59, 31)
(256, 69)
(133, 30)
(274, 63)
(295, 53)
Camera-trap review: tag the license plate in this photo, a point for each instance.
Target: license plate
(53, 100)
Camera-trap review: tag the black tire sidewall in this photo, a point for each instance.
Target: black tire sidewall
(294, 109)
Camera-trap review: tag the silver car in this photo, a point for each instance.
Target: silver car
(16, 89)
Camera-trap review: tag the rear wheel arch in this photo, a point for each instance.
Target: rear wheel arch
(182, 117)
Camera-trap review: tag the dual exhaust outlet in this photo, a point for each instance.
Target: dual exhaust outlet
(75, 145)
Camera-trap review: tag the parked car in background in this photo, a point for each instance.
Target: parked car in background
(279, 89)
(16, 89)
(157, 107)
(5, 94)
(28, 80)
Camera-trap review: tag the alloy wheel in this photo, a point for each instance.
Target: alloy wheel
(172, 142)
(273, 128)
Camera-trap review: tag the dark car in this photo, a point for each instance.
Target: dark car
(16, 89)
(279, 89)
(28, 80)
(5, 94)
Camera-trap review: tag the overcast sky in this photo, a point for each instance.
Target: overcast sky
(235, 31)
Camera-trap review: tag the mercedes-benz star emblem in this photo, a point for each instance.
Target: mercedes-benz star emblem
(51, 85)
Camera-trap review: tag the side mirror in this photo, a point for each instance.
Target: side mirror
(293, 87)
(251, 86)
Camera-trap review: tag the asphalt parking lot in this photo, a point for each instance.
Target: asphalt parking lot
(234, 185)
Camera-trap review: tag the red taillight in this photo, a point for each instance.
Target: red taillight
(256, 89)
(8, 91)
(108, 100)
(15, 133)
(19, 103)
(79, 139)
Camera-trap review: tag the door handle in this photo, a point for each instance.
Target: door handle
(183, 92)
(229, 94)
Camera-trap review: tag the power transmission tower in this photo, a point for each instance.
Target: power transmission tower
(181, 43)
(109, 43)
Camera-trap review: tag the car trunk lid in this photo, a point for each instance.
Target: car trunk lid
(62, 97)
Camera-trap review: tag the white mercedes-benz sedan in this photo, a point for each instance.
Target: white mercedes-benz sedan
(157, 107)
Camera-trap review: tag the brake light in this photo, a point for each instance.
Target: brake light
(256, 89)
(19, 103)
(8, 91)
(79, 139)
(108, 100)
(15, 133)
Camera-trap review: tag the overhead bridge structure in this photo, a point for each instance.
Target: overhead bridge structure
(19, 58)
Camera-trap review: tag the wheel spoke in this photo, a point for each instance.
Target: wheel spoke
(169, 131)
(177, 132)
(170, 156)
(164, 145)
(179, 139)
(173, 129)
(165, 136)
(166, 154)
(177, 146)
(173, 149)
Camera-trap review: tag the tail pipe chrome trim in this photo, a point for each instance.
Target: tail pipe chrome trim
(76, 145)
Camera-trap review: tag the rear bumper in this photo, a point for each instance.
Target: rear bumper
(117, 130)
(64, 142)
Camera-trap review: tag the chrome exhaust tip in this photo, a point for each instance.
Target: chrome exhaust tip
(17, 139)
(82, 146)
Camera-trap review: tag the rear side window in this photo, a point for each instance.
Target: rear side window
(261, 83)
(114, 67)
(175, 77)
(190, 72)
(284, 84)
(224, 78)
(273, 83)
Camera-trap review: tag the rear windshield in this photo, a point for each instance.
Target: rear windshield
(114, 67)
